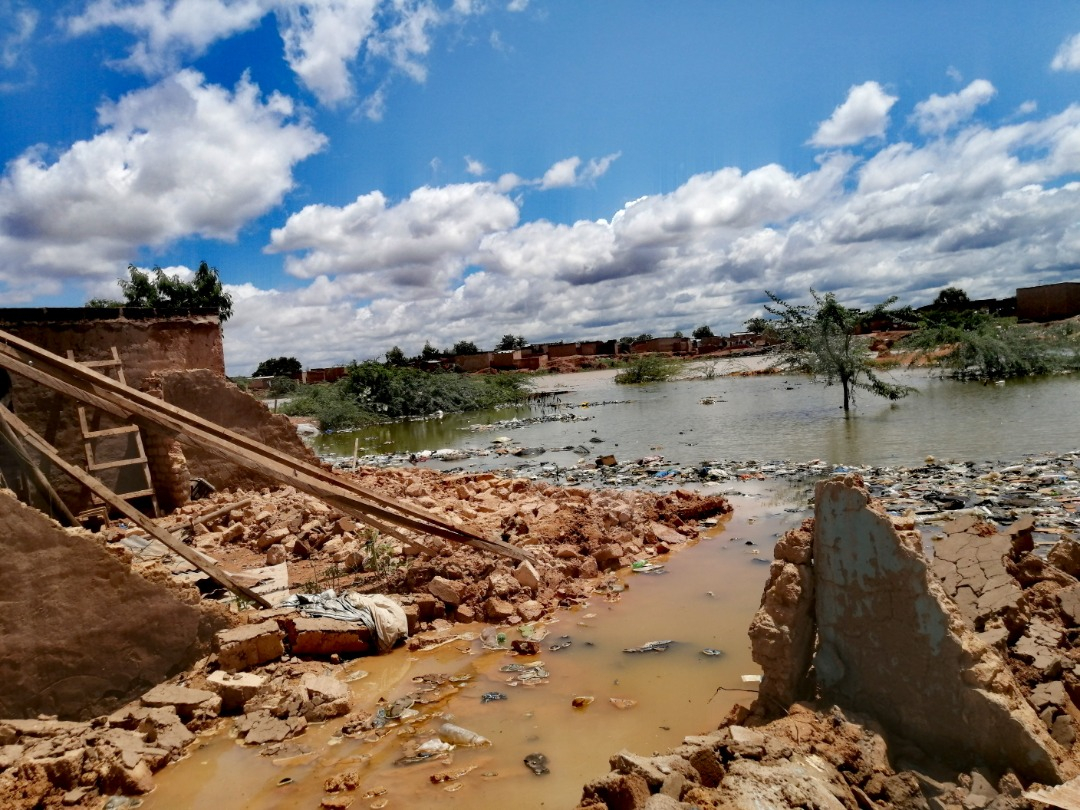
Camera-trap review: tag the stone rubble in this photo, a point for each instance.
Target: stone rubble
(992, 622)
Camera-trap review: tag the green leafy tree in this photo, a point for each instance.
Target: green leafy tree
(511, 342)
(429, 352)
(625, 343)
(647, 368)
(703, 331)
(951, 298)
(164, 291)
(395, 357)
(278, 367)
(822, 341)
(465, 347)
(678, 334)
(996, 349)
(644, 336)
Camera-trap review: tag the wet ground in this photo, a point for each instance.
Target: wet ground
(704, 601)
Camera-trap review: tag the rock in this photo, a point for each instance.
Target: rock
(184, 700)
(1048, 694)
(1065, 555)
(530, 610)
(527, 576)
(235, 689)
(275, 555)
(261, 727)
(618, 791)
(249, 646)
(272, 536)
(498, 610)
(608, 556)
(328, 696)
(1069, 600)
(664, 534)
(450, 591)
(325, 637)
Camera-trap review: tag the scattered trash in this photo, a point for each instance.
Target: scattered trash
(622, 703)
(642, 567)
(652, 646)
(710, 651)
(537, 763)
(490, 697)
(456, 735)
(581, 701)
(561, 644)
(751, 679)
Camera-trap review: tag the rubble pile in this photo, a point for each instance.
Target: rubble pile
(573, 536)
(951, 650)
(825, 760)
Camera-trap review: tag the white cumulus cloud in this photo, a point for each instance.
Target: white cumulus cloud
(1068, 55)
(180, 158)
(864, 114)
(939, 114)
(420, 243)
(323, 40)
(571, 171)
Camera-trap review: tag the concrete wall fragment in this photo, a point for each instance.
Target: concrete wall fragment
(80, 634)
(891, 644)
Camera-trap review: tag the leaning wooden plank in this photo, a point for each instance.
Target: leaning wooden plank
(36, 475)
(130, 512)
(191, 429)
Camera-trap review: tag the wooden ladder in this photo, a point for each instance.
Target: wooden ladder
(92, 435)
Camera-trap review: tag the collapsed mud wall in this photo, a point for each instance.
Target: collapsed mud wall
(146, 341)
(80, 633)
(889, 642)
(214, 398)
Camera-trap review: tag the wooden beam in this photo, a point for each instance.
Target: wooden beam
(193, 430)
(35, 473)
(131, 513)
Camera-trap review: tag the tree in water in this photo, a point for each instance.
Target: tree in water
(821, 340)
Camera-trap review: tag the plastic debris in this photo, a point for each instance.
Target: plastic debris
(651, 646)
(537, 763)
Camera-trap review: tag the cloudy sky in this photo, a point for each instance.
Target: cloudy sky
(370, 173)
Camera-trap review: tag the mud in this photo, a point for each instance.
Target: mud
(888, 680)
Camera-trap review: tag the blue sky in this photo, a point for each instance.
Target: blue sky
(368, 173)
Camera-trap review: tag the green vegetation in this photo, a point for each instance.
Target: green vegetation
(278, 367)
(511, 342)
(372, 392)
(703, 331)
(820, 340)
(166, 292)
(465, 347)
(990, 349)
(646, 368)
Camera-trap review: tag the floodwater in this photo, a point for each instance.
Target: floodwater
(705, 600)
(760, 418)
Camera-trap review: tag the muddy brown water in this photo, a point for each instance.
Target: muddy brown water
(704, 601)
(760, 418)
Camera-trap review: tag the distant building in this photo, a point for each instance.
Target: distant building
(1048, 302)
(666, 345)
(322, 375)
